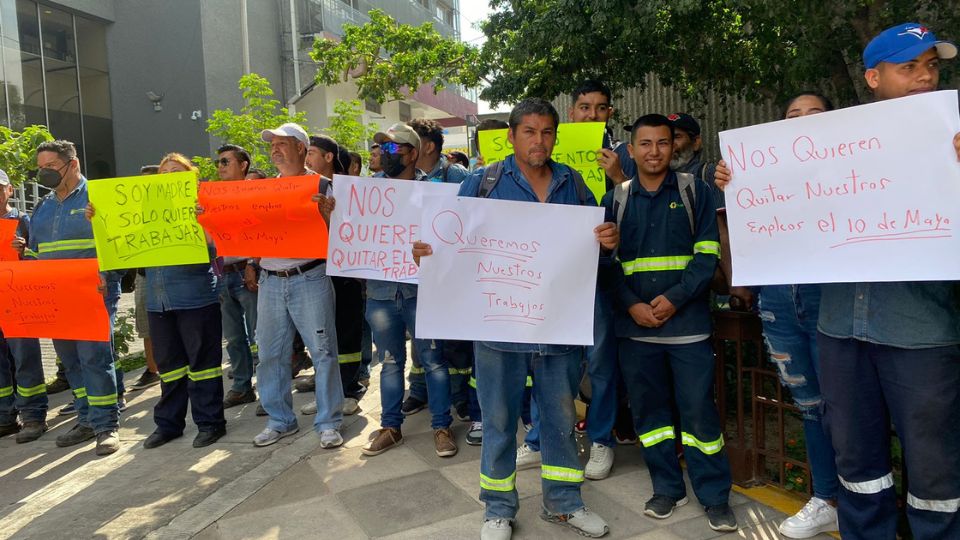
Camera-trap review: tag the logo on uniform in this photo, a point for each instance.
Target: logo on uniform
(918, 32)
(674, 205)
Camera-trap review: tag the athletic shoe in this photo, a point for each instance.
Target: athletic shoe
(412, 405)
(269, 436)
(600, 463)
(330, 438)
(309, 409)
(583, 521)
(461, 411)
(721, 518)
(527, 458)
(350, 406)
(475, 434)
(661, 506)
(69, 409)
(496, 529)
(145, 380)
(817, 516)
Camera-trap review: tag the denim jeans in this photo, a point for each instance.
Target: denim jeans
(28, 395)
(501, 378)
(789, 315)
(390, 320)
(112, 301)
(304, 303)
(604, 373)
(238, 308)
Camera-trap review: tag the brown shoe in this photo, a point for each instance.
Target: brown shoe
(234, 398)
(443, 439)
(386, 439)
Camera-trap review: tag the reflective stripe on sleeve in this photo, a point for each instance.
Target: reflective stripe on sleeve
(655, 264)
(869, 487)
(707, 246)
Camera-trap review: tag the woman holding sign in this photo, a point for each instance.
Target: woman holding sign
(183, 309)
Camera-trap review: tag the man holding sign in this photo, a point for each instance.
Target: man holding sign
(501, 368)
(891, 352)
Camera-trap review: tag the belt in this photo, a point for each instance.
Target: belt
(234, 267)
(297, 270)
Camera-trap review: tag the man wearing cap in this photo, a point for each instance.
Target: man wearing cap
(890, 352)
(392, 313)
(688, 149)
(21, 368)
(296, 295)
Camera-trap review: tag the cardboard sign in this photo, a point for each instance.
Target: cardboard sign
(375, 223)
(8, 229)
(274, 217)
(508, 271)
(577, 145)
(866, 193)
(56, 299)
(143, 221)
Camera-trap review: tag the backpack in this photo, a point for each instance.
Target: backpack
(493, 172)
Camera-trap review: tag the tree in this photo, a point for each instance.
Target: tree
(18, 151)
(260, 111)
(387, 60)
(348, 129)
(756, 49)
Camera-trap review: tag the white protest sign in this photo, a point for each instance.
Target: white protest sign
(868, 193)
(374, 225)
(508, 271)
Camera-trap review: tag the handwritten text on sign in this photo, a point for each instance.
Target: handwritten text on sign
(55, 299)
(508, 271)
(265, 218)
(146, 221)
(866, 193)
(375, 223)
(577, 145)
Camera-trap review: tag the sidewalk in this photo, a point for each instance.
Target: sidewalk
(295, 489)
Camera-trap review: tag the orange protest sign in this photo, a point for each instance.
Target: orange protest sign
(264, 218)
(8, 228)
(57, 299)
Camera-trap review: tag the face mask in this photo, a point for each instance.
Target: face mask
(49, 178)
(392, 164)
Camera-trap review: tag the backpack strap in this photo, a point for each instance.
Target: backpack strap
(491, 175)
(620, 194)
(688, 194)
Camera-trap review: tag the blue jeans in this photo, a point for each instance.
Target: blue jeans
(390, 320)
(789, 314)
(29, 393)
(604, 373)
(304, 303)
(238, 308)
(111, 300)
(501, 378)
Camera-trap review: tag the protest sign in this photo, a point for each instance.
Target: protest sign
(866, 193)
(576, 146)
(265, 218)
(144, 221)
(375, 223)
(8, 229)
(508, 271)
(56, 299)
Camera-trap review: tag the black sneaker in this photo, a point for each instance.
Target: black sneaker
(461, 411)
(146, 380)
(661, 506)
(206, 438)
(721, 518)
(412, 405)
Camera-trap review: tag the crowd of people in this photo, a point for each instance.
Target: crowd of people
(856, 357)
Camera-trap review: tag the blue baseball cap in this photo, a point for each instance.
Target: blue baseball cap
(903, 43)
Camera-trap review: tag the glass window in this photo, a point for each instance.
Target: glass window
(30, 108)
(95, 98)
(60, 64)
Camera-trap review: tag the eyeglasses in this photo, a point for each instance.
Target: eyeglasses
(392, 147)
(223, 162)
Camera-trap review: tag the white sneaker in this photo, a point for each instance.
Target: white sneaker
(330, 438)
(601, 461)
(350, 406)
(585, 522)
(496, 529)
(269, 436)
(817, 516)
(309, 408)
(527, 457)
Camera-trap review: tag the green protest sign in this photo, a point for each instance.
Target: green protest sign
(577, 145)
(144, 221)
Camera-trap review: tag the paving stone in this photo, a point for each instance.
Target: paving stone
(320, 517)
(347, 468)
(296, 483)
(423, 444)
(465, 526)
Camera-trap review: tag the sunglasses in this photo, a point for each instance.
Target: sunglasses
(392, 147)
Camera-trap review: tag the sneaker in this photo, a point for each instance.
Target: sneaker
(330, 438)
(58, 385)
(108, 442)
(206, 438)
(461, 411)
(721, 518)
(146, 380)
(527, 426)
(31, 431)
(496, 529)
(158, 439)
(583, 521)
(527, 458)
(817, 516)
(661, 506)
(412, 405)
(260, 410)
(475, 435)
(234, 398)
(600, 463)
(385, 439)
(69, 409)
(269, 436)
(9, 429)
(443, 442)
(305, 385)
(309, 409)
(76, 435)
(350, 406)
(299, 362)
